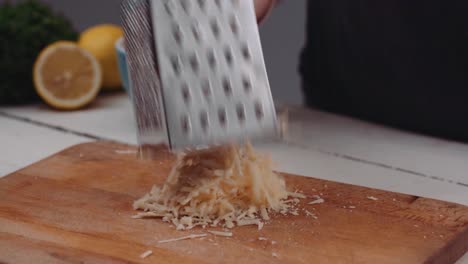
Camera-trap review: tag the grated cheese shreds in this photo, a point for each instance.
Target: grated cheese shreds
(308, 213)
(318, 200)
(220, 233)
(260, 226)
(182, 238)
(146, 254)
(224, 186)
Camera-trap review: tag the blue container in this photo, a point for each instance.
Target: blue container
(122, 62)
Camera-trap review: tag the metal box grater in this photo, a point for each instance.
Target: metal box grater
(207, 70)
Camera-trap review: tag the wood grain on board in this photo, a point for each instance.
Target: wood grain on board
(77, 206)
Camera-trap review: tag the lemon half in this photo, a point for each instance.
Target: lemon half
(67, 76)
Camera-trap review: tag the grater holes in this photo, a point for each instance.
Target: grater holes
(169, 7)
(222, 117)
(219, 3)
(202, 4)
(211, 59)
(177, 34)
(186, 6)
(215, 28)
(245, 50)
(194, 63)
(258, 110)
(247, 84)
(185, 124)
(234, 24)
(204, 120)
(206, 89)
(240, 111)
(228, 56)
(227, 87)
(196, 32)
(186, 93)
(175, 62)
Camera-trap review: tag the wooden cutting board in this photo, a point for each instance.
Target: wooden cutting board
(75, 207)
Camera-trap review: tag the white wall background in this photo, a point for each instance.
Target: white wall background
(282, 38)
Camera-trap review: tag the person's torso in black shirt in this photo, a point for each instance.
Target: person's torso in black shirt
(402, 63)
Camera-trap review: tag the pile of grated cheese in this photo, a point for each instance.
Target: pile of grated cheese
(219, 187)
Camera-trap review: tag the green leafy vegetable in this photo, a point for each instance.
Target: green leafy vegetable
(25, 29)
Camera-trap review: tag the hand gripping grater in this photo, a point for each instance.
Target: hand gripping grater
(197, 71)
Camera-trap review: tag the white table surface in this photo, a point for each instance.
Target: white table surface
(320, 145)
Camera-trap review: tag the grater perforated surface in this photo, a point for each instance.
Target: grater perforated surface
(213, 77)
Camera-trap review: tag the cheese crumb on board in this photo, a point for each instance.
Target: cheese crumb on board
(182, 238)
(223, 186)
(146, 254)
(260, 226)
(372, 198)
(220, 233)
(308, 213)
(318, 200)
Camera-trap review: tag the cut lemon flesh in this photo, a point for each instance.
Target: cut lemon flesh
(67, 76)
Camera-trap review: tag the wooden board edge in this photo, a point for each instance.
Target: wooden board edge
(453, 251)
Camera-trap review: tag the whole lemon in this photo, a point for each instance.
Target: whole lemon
(100, 41)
